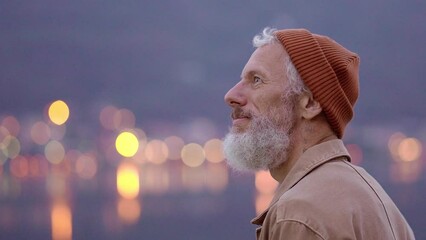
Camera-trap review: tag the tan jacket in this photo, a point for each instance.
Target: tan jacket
(324, 196)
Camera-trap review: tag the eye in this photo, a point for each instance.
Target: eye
(257, 80)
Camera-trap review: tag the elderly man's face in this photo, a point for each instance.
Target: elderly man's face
(262, 85)
(263, 117)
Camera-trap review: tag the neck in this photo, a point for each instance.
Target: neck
(301, 142)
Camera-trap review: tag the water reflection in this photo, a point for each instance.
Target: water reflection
(126, 180)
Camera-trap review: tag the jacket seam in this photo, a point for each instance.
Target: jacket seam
(378, 196)
(304, 224)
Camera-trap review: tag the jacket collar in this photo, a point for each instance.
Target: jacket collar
(310, 159)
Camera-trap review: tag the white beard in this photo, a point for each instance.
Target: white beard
(264, 145)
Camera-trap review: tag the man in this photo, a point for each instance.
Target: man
(290, 109)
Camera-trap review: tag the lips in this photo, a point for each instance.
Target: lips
(239, 116)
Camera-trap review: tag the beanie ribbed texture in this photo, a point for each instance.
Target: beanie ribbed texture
(329, 70)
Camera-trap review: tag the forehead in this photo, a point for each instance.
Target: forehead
(267, 60)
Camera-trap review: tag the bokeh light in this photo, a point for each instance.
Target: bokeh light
(393, 144)
(193, 178)
(58, 112)
(86, 166)
(214, 150)
(156, 151)
(61, 219)
(40, 133)
(127, 144)
(264, 182)
(54, 152)
(217, 178)
(155, 179)
(106, 117)
(12, 124)
(409, 149)
(10, 146)
(128, 180)
(262, 202)
(123, 118)
(129, 210)
(192, 155)
(19, 167)
(175, 145)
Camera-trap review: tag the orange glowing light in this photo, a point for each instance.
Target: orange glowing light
(217, 177)
(214, 150)
(405, 172)
(127, 144)
(40, 133)
(393, 144)
(409, 149)
(175, 145)
(129, 210)
(54, 152)
(156, 151)
(12, 124)
(61, 218)
(192, 155)
(58, 112)
(264, 182)
(86, 166)
(128, 180)
(262, 202)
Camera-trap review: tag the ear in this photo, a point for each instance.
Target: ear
(309, 107)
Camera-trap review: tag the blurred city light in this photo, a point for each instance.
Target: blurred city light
(192, 155)
(10, 147)
(156, 151)
(175, 145)
(409, 149)
(217, 178)
(12, 124)
(123, 118)
(19, 167)
(58, 112)
(129, 210)
(127, 144)
(61, 219)
(86, 166)
(40, 133)
(393, 144)
(155, 179)
(264, 182)
(54, 152)
(106, 117)
(128, 180)
(262, 202)
(214, 150)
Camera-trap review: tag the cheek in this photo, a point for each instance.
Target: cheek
(268, 103)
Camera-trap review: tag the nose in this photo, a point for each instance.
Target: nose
(235, 96)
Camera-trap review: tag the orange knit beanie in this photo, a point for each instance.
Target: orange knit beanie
(328, 69)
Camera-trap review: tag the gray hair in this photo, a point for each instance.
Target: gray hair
(296, 85)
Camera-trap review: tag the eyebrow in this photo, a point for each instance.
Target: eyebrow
(254, 72)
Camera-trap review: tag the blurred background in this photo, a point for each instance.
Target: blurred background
(112, 112)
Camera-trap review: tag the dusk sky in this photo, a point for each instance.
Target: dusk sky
(171, 62)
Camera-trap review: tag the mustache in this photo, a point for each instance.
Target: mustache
(238, 112)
